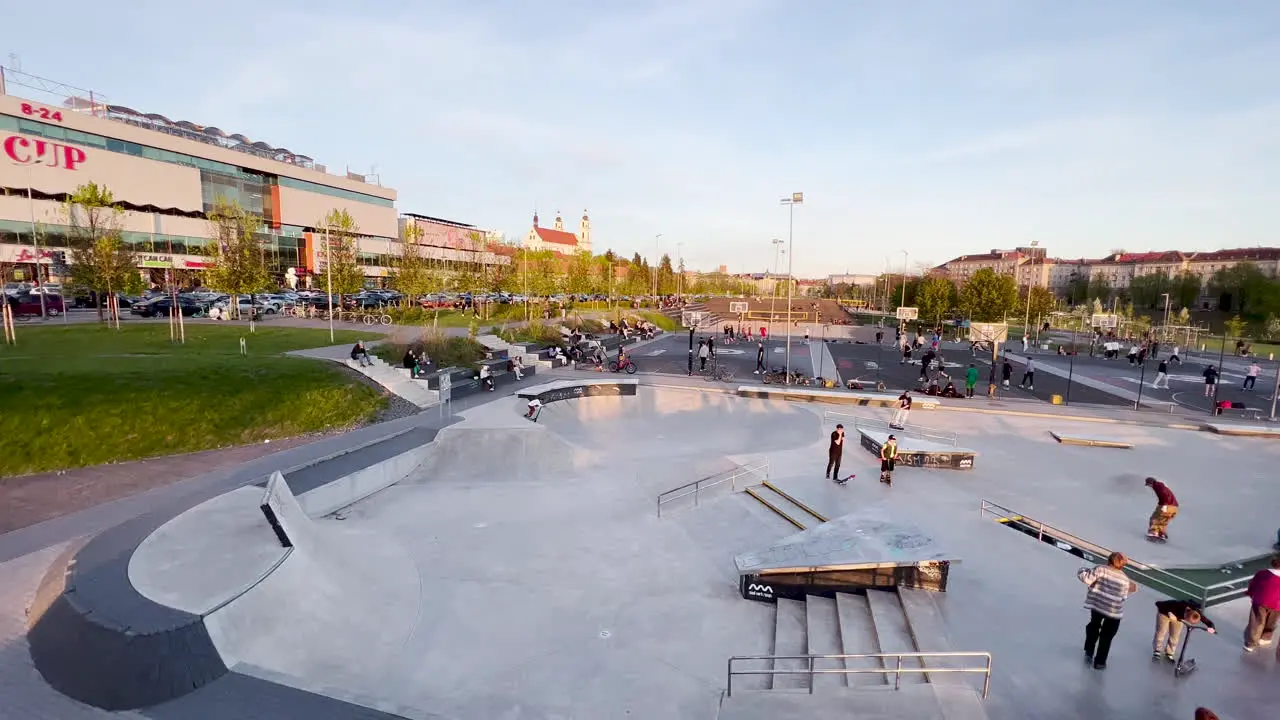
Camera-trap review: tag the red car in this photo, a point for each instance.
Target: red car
(27, 305)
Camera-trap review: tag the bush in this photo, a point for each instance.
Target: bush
(443, 351)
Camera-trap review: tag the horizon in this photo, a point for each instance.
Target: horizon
(937, 130)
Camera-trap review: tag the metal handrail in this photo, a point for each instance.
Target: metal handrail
(916, 431)
(897, 670)
(1174, 584)
(731, 476)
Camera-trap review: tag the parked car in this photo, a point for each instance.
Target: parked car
(28, 305)
(160, 307)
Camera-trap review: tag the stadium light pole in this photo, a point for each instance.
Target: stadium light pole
(653, 269)
(797, 198)
(773, 290)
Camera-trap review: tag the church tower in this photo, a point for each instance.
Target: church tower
(559, 222)
(584, 233)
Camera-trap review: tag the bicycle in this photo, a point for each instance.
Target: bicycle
(629, 367)
(718, 372)
(373, 318)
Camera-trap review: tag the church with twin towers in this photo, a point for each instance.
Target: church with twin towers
(557, 239)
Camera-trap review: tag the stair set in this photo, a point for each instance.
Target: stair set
(398, 381)
(493, 343)
(709, 321)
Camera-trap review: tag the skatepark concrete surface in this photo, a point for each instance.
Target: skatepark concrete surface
(521, 571)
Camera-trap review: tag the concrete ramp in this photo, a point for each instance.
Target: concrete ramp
(530, 454)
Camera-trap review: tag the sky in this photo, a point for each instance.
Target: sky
(937, 128)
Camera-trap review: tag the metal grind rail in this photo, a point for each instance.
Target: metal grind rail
(695, 488)
(1156, 578)
(896, 671)
(913, 431)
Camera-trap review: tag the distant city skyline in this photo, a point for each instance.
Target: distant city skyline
(937, 128)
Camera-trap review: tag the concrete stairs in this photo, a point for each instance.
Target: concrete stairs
(495, 343)
(710, 321)
(868, 622)
(397, 380)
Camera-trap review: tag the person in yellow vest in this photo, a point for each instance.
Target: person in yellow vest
(888, 454)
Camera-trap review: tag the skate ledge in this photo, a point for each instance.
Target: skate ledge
(846, 397)
(571, 389)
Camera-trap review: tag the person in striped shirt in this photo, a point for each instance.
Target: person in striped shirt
(1109, 587)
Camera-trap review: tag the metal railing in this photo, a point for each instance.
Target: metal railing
(695, 488)
(914, 431)
(1153, 577)
(896, 671)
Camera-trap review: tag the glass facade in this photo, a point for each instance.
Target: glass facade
(212, 167)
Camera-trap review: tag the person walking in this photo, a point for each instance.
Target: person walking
(906, 353)
(970, 380)
(899, 421)
(1264, 610)
(888, 457)
(1029, 376)
(1210, 380)
(1174, 357)
(1166, 510)
(834, 452)
(1006, 372)
(1171, 615)
(760, 369)
(1109, 587)
(703, 354)
(879, 336)
(1251, 375)
(1162, 373)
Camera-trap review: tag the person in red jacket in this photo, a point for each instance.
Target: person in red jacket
(1166, 509)
(1264, 611)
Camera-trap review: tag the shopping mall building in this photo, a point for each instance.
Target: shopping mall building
(166, 175)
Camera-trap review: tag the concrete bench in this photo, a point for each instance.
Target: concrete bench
(855, 397)
(571, 389)
(914, 452)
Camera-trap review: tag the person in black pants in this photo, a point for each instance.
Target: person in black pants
(760, 368)
(1109, 587)
(834, 453)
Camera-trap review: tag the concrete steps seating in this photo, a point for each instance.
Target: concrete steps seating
(494, 343)
(397, 381)
(875, 621)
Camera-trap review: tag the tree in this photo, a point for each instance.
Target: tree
(666, 276)
(237, 257)
(1078, 288)
(1146, 291)
(583, 271)
(1184, 316)
(1184, 289)
(1099, 288)
(100, 259)
(412, 272)
(1242, 288)
(1234, 328)
(1041, 302)
(342, 269)
(988, 297)
(935, 297)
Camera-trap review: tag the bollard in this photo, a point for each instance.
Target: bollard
(243, 349)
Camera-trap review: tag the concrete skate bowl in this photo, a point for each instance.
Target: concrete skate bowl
(532, 453)
(662, 422)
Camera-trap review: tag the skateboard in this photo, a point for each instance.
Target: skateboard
(842, 481)
(1157, 539)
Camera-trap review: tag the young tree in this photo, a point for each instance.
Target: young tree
(988, 297)
(343, 268)
(412, 272)
(935, 296)
(666, 276)
(100, 259)
(583, 273)
(237, 258)
(1042, 302)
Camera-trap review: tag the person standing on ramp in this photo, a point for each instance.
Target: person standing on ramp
(888, 456)
(1166, 510)
(899, 421)
(834, 453)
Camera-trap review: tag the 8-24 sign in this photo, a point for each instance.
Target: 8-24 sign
(39, 111)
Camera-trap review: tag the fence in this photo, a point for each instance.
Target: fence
(896, 671)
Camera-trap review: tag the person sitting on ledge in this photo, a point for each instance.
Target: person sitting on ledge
(360, 354)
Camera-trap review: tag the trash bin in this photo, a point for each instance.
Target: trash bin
(1056, 399)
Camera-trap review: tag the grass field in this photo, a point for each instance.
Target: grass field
(83, 395)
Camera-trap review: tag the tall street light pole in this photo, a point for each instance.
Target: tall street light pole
(1165, 332)
(797, 198)
(680, 270)
(773, 289)
(657, 261)
(903, 301)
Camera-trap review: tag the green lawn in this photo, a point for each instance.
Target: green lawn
(81, 395)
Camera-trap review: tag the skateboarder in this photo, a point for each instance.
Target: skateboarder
(834, 452)
(888, 455)
(899, 421)
(1109, 587)
(534, 405)
(1170, 617)
(970, 380)
(1166, 510)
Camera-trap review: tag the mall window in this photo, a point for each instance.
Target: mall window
(333, 192)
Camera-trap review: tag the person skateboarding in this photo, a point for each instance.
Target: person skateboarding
(1171, 615)
(1166, 510)
(888, 456)
(534, 406)
(834, 453)
(899, 421)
